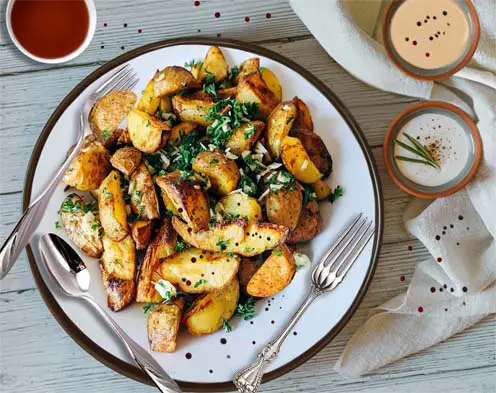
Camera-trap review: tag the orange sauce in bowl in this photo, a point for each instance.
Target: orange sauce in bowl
(50, 29)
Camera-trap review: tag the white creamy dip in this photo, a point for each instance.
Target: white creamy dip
(447, 139)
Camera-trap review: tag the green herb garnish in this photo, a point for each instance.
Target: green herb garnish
(106, 134)
(336, 194)
(222, 244)
(277, 252)
(246, 309)
(422, 153)
(149, 307)
(199, 282)
(190, 64)
(180, 246)
(225, 325)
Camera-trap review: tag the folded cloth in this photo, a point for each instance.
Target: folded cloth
(457, 287)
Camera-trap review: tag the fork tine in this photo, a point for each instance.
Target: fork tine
(129, 83)
(116, 82)
(116, 74)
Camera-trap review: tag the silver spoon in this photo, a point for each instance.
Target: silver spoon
(69, 272)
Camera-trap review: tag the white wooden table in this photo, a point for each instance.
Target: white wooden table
(37, 356)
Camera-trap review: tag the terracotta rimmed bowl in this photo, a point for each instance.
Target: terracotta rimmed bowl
(452, 186)
(437, 73)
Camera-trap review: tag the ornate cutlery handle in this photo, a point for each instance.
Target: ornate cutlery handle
(248, 380)
(148, 364)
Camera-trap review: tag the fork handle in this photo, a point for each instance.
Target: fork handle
(248, 379)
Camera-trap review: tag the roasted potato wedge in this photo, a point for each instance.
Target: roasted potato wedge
(222, 172)
(322, 190)
(119, 258)
(112, 207)
(216, 238)
(274, 275)
(298, 162)
(247, 268)
(316, 149)
(174, 79)
(141, 231)
(82, 225)
(120, 293)
(193, 107)
(272, 82)
(245, 136)
(162, 245)
(214, 64)
(109, 111)
(260, 237)
(197, 271)
(124, 138)
(87, 171)
(228, 92)
(163, 325)
(144, 201)
(278, 127)
(309, 224)
(252, 88)
(303, 117)
(184, 128)
(284, 206)
(168, 203)
(146, 131)
(148, 102)
(247, 67)
(210, 310)
(239, 205)
(126, 159)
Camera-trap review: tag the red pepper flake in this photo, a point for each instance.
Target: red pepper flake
(196, 3)
(268, 15)
(439, 259)
(217, 14)
(420, 309)
(433, 289)
(247, 19)
(188, 355)
(402, 278)
(410, 248)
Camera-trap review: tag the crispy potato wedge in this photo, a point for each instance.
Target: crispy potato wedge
(188, 199)
(119, 258)
(165, 104)
(87, 171)
(322, 190)
(146, 131)
(195, 69)
(298, 162)
(144, 201)
(108, 112)
(309, 224)
(141, 232)
(162, 245)
(227, 92)
(284, 206)
(272, 82)
(82, 225)
(274, 275)
(260, 237)
(210, 310)
(245, 136)
(216, 238)
(162, 325)
(278, 127)
(148, 102)
(120, 293)
(247, 268)
(303, 117)
(252, 88)
(214, 64)
(126, 159)
(239, 205)
(168, 203)
(185, 128)
(197, 271)
(222, 171)
(193, 107)
(173, 79)
(316, 149)
(112, 207)
(247, 67)
(124, 138)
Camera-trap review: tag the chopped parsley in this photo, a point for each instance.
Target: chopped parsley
(308, 193)
(190, 64)
(213, 161)
(68, 206)
(106, 134)
(149, 307)
(246, 309)
(209, 85)
(147, 124)
(247, 184)
(222, 244)
(229, 216)
(57, 225)
(249, 131)
(199, 282)
(137, 197)
(183, 155)
(107, 194)
(336, 194)
(226, 326)
(277, 252)
(233, 73)
(180, 246)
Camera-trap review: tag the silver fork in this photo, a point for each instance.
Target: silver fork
(123, 78)
(326, 276)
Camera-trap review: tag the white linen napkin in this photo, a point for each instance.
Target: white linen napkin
(457, 287)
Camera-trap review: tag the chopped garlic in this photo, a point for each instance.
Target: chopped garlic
(304, 165)
(302, 260)
(231, 156)
(165, 289)
(259, 148)
(265, 193)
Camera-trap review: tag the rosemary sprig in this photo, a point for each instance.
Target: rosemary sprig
(418, 149)
(409, 159)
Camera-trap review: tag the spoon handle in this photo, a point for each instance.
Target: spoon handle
(143, 358)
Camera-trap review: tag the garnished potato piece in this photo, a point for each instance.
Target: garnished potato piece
(260, 237)
(173, 79)
(272, 82)
(247, 268)
(274, 275)
(316, 149)
(188, 198)
(126, 159)
(245, 136)
(214, 64)
(112, 207)
(185, 128)
(239, 205)
(141, 231)
(278, 127)
(193, 107)
(162, 245)
(90, 166)
(197, 271)
(252, 88)
(163, 325)
(120, 293)
(82, 225)
(109, 111)
(195, 69)
(209, 311)
(145, 131)
(298, 162)
(222, 171)
(148, 102)
(144, 201)
(247, 67)
(216, 238)
(309, 224)
(303, 117)
(284, 206)
(322, 190)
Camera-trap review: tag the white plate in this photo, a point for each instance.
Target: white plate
(213, 362)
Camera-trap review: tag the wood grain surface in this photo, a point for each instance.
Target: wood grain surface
(37, 356)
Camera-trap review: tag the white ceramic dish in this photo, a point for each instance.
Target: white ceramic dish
(213, 364)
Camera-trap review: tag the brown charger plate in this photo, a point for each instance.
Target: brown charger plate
(130, 370)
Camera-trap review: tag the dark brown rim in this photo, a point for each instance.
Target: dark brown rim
(463, 62)
(130, 370)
